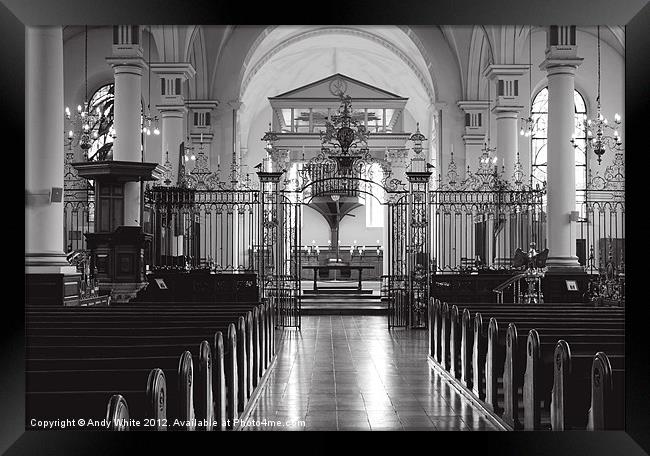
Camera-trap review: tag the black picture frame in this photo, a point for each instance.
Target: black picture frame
(635, 14)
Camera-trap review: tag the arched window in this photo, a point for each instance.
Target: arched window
(539, 114)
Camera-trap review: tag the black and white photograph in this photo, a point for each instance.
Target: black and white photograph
(328, 228)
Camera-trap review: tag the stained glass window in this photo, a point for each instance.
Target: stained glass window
(103, 131)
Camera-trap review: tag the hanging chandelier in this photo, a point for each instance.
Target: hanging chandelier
(149, 122)
(601, 135)
(527, 123)
(188, 151)
(486, 160)
(85, 120)
(343, 132)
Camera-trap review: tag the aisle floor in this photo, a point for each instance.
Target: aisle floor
(351, 373)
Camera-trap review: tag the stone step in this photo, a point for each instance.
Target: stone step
(344, 310)
(337, 290)
(339, 297)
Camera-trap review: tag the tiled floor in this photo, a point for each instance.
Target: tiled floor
(351, 373)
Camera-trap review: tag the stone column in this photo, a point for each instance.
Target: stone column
(128, 66)
(172, 109)
(560, 65)
(506, 109)
(476, 113)
(44, 158)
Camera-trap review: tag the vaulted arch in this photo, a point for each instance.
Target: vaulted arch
(480, 56)
(195, 53)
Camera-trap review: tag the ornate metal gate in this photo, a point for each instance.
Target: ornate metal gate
(398, 295)
(279, 251)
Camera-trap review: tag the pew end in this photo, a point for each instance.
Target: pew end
(117, 413)
(186, 413)
(532, 406)
(219, 388)
(157, 399)
(606, 411)
(204, 400)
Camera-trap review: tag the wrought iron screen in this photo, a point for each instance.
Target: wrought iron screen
(215, 229)
(601, 232)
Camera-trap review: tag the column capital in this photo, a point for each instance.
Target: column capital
(183, 70)
(475, 111)
(504, 111)
(204, 105)
(172, 110)
(172, 77)
(201, 117)
(127, 63)
(201, 137)
(127, 41)
(474, 139)
(473, 105)
(511, 71)
(507, 79)
(560, 65)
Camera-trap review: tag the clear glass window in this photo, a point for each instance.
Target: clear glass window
(539, 141)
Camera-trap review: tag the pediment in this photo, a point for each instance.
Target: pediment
(328, 87)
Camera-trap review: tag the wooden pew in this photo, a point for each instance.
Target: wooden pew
(573, 380)
(84, 394)
(123, 344)
(118, 349)
(488, 356)
(487, 362)
(434, 328)
(250, 343)
(516, 348)
(266, 310)
(73, 375)
(255, 340)
(459, 341)
(447, 335)
(607, 395)
(496, 343)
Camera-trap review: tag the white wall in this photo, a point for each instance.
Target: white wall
(314, 227)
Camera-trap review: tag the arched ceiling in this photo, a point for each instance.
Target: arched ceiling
(288, 57)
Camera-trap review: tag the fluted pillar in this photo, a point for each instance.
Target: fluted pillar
(44, 157)
(560, 65)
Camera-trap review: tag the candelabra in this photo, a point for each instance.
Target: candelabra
(86, 120)
(601, 135)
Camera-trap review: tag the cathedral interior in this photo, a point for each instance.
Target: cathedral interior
(326, 227)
